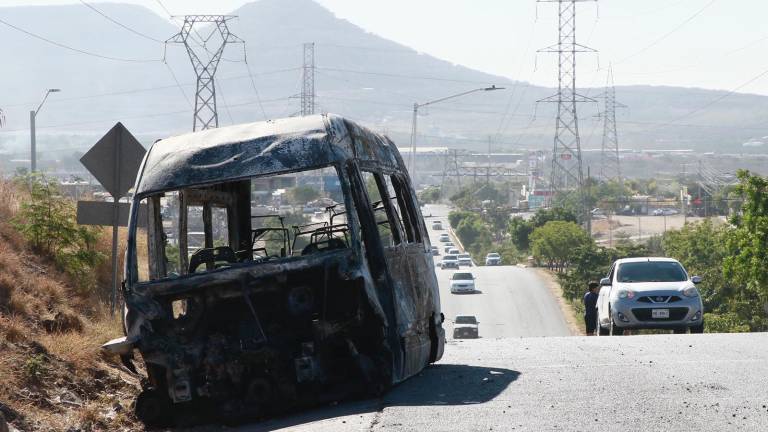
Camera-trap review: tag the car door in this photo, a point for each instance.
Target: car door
(603, 299)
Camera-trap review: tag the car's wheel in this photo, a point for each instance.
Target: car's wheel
(680, 330)
(698, 329)
(616, 330)
(602, 331)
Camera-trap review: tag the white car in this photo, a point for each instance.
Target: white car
(493, 259)
(435, 251)
(444, 238)
(453, 251)
(649, 293)
(462, 282)
(437, 225)
(465, 327)
(449, 261)
(465, 259)
(447, 248)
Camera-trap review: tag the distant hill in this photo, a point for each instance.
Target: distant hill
(359, 74)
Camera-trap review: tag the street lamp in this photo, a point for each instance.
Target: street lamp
(32, 116)
(416, 107)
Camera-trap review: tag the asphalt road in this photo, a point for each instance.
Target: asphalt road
(510, 301)
(633, 383)
(708, 382)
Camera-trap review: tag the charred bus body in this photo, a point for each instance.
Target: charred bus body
(273, 265)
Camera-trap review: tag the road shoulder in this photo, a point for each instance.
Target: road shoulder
(575, 324)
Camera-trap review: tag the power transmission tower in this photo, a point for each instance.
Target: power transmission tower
(610, 166)
(206, 115)
(567, 174)
(308, 85)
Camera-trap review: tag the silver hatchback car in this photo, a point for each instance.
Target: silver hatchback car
(649, 293)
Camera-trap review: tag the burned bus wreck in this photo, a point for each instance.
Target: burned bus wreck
(274, 265)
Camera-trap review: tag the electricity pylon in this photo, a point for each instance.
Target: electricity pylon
(610, 165)
(308, 80)
(567, 175)
(205, 116)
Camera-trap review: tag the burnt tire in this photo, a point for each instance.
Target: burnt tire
(154, 409)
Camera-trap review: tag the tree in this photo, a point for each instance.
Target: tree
(556, 241)
(430, 195)
(747, 260)
(303, 194)
(474, 235)
(701, 249)
(553, 214)
(520, 230)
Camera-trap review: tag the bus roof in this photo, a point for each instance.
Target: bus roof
(261, 148)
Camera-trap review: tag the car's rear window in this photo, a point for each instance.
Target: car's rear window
(493, 255)
(466, 320)
(651, 271)
(462, 276)
(464, 256)
(450, 258)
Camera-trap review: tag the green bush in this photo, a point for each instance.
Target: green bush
(724, 323)
(48, 221)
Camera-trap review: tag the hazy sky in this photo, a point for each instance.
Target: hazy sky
(715, 44)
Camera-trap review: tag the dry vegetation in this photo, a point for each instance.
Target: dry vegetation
(53, 375)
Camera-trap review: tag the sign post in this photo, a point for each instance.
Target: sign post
(114, 161)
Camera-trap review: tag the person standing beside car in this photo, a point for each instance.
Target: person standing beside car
(590, 308)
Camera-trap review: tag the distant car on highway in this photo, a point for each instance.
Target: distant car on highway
(466, 327)
(449, 261)
(649, 293)
(493, 259)
(462, 282)
(437, 225)
(444, 238)
(447, 248)
(658, 212)
(453, 251)
(669, 212)
(465, 259)
(435, 251)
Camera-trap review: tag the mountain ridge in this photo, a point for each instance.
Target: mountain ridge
(359, 74)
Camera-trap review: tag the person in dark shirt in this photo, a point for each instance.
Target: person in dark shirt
(590, 308)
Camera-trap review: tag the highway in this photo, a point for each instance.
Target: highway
(708, 382)
(507, 381)
(511, 301)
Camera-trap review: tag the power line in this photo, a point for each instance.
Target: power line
(669, 33)
(167, 113)
(164, 8)
(415, 77)
(93, 8)
(77, 50)
(150, 89)
(181, 89)
(255, 89)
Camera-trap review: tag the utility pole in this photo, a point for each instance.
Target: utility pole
(567, 175)
(205, 116)
(488, 172)
(308, 80)
(610, 168)
(32, 132)
(414, 121)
